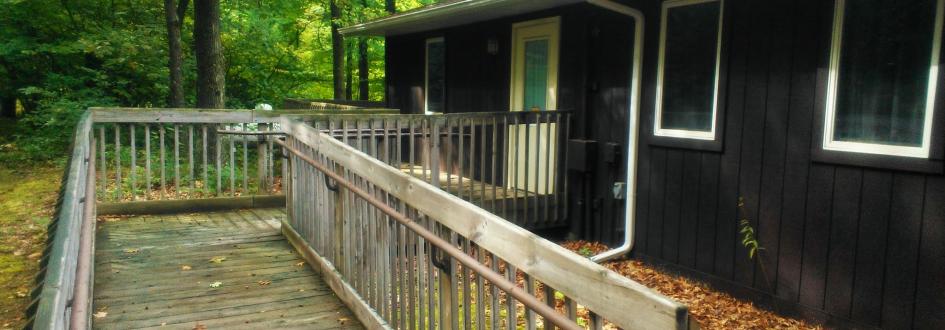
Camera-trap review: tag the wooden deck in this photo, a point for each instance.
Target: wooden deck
(219, 270)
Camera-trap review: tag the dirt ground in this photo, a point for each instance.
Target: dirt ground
(711, 308)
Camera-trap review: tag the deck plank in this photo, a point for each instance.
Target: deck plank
(141, 280)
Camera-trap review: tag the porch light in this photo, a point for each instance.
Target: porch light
(492, 46)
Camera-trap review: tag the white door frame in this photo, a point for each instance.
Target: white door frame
(541, 164)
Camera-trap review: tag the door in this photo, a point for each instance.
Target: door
(534, 88)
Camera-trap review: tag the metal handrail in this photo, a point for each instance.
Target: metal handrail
(508, 286)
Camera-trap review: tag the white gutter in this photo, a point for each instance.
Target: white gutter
(634, 127)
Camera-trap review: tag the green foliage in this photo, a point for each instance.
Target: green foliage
(749, 241)
(60, 57)
(586, 252)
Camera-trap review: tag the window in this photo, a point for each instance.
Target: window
(883, 69)
(687, 81)
(435, 91)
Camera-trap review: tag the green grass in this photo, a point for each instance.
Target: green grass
(27, 199)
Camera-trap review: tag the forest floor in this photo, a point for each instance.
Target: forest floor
(27, 201)
(711, 308)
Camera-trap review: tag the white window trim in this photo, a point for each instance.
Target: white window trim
(833, 74)
(426, 72)
(657, 122)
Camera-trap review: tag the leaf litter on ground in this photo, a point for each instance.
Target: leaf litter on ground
(712, 308)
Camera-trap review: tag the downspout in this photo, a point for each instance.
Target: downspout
(634, 127)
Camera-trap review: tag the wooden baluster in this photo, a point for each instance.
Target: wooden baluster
(118, 189)
(517, 146)
(190, 159)
(219, 161)
(550, 300)
(511, 312)
(134, 164)
(206, 167)
(494, 155)
(596, 321)
(480, 292)
(163, 161)
(176, 161)
(245, 163)
(529, 313)
(232, 153)
(449, 154)
(495, 305)
(467, 289)
(505, 167)
(570, 308)
(482, 163)
(147, 161)
(261, 158)
(104, 173)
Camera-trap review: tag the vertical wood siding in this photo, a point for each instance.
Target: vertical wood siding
(841, 242)
(845, 242)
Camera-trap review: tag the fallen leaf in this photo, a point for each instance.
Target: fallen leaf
(185, 267)
(199, 326)
(216, 284)
(163, 323)
(343, 320)
(265, 282)
(132, 251)
(300, 264)
(100, 314)
(217, 259)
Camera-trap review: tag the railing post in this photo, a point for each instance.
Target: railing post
(338, 238)
(262, 155)
(435, 152)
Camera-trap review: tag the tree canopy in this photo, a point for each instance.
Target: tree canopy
(60, 57)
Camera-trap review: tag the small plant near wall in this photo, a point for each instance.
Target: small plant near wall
(748, 232)
(750, 240)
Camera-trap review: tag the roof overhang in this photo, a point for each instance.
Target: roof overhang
(447, 14)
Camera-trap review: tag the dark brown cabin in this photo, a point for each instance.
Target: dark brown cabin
(824, 118)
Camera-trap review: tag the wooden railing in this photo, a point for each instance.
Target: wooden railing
(510, 163)
(61, 278)
(157, 154)
(398, 243)
(405, 254)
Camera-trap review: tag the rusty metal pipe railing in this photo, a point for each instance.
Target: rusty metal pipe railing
(81, 300)
(497, 279)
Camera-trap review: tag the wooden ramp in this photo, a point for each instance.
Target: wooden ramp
(219, 270)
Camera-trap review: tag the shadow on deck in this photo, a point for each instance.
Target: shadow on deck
(222, 270)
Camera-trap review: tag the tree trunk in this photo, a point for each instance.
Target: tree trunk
(349, 74)
(337, 52)
(211, 72)
(7, 107)
(391, 6)
(363, 87)
(363, 73)
(175, 57)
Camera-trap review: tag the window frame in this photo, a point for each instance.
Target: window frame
(426, 72)
(924, 151)
(713, 135)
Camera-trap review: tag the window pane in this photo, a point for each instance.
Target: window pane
(536, 75)
(689, 58)
(436, 76)
(884, 71)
